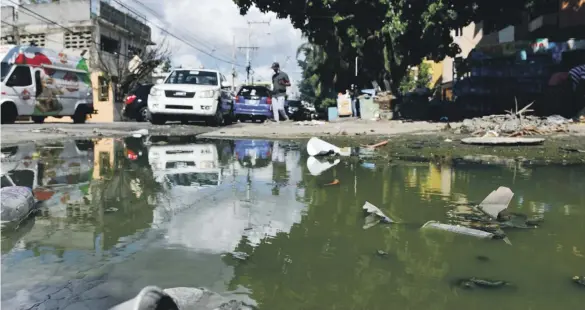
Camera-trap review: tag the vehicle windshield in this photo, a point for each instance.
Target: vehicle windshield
(194, 179)
(254, 91)
(5, 69)
(193, 77)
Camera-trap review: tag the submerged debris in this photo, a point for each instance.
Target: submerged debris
(474, 282)
(496, 202)
(486, 140)
(373, 146)
(464, 230)
(375, 216)
(482, 258)
(334, 182)
(381, 253)
(579, 280)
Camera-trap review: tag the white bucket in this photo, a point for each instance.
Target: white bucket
(316, 167)
(318, 147)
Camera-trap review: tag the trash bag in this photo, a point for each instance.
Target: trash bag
(17, 203)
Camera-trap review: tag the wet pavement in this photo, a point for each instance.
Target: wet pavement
(248, 219)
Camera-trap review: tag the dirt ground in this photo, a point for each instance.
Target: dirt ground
(408, 140)
(40, 133)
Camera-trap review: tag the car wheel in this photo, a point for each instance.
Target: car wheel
(230, 118)
(9, 113)
(38, 119)
(157, 119)
(80, 116)
(217, 120)
(143, 115)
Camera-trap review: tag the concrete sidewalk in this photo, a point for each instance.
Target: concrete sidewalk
(346, 127)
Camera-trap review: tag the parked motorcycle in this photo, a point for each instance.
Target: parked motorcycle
(298, 110)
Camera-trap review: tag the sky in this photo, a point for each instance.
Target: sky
(211, 25)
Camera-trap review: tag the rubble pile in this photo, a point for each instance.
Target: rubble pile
(513, 126)
(384, 100)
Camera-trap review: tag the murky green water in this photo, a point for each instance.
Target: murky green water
(120, 214)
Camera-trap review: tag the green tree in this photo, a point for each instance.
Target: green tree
(388, 36)
(423, 75)
(166, 65)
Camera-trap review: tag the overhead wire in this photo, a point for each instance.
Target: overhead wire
(190, 35)
(185, 42)
(45, 19)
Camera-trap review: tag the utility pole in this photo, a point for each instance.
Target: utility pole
(248, 48)
(234, 63)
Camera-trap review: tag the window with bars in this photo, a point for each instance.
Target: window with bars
(78, 40)
(38, 39)
(7, 40)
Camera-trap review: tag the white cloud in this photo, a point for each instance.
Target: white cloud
(188, 61)
(211, 26)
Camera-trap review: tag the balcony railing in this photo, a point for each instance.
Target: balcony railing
(116, 17)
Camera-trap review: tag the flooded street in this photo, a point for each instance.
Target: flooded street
(248, 219)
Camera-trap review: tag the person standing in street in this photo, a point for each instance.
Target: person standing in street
(280, 82)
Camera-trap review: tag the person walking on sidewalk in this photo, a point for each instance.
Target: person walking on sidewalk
(280, 82)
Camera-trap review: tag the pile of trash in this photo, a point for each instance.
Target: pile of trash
(512, 125)
(485, 221)
(384, 100)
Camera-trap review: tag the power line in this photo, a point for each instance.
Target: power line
(185, 42)
(190, 34)
(45, 19)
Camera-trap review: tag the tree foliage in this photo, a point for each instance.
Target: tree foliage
(388, 36)
(144, 58)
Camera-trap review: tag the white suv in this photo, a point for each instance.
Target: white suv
(191, 94)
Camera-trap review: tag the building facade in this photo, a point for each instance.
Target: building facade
(95, 29)
(554, 21)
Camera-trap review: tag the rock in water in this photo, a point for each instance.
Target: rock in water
(17, 203)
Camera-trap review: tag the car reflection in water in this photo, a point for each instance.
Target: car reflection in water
(183, 171)
(253, 153)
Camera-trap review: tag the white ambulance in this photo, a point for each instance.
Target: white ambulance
(39, 82)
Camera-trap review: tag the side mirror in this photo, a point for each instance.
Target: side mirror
(159, 81)
(225, 85)
(38, 84)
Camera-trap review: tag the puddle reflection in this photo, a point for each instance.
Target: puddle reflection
(174, 207)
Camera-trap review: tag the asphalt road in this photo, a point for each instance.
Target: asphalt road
(28, 131)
